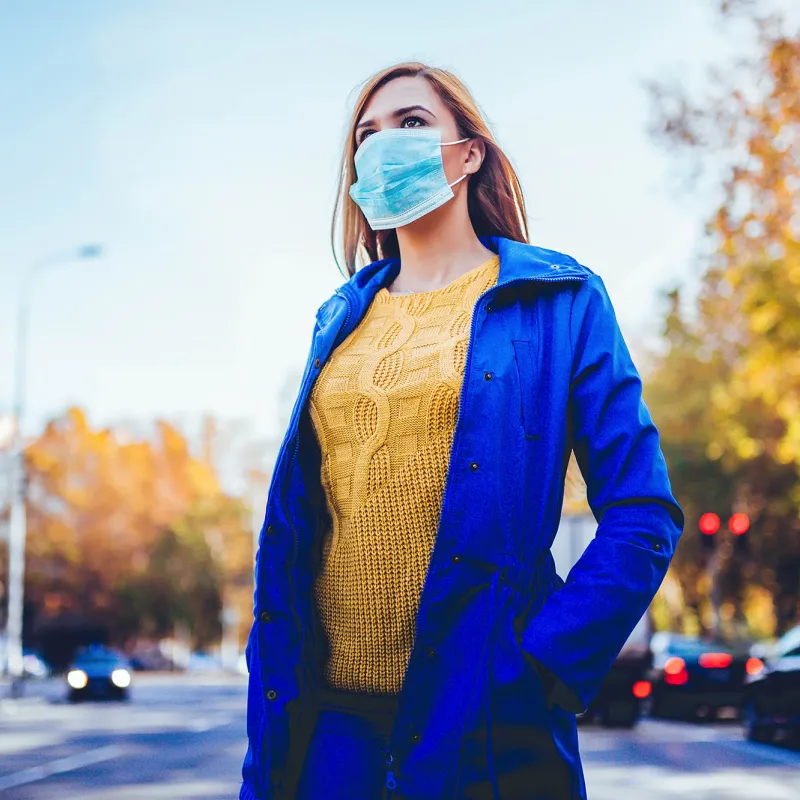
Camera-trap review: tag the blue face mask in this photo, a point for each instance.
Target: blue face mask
(401, 176)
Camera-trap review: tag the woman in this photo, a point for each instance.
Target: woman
(412, 639)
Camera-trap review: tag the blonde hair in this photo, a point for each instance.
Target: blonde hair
(495, 202)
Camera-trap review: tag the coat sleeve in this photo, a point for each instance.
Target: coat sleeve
(582, 627)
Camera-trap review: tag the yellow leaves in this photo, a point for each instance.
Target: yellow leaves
(714, 451)
(101, 499)
(788, 450)
(758, 609)
(201, 479)
(766, 317)
(747, 448)
(727, 392)
(789, 408)
(723, 400)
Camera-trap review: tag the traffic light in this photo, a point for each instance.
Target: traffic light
(709, 524)
(738, 525)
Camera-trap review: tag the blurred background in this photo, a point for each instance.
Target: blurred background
(167, 174)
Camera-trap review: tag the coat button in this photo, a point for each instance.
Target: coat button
(488, 375)
(272, 694)
(415, 737)
(657, 547)
(430, 652)
(456, 559)
(265, 616)
(316, 363)
(270, 530)
(473, 466)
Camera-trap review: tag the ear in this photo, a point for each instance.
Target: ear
(475, 156)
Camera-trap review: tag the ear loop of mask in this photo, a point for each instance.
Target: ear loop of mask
(465, 175)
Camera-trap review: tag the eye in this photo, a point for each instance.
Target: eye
(363, 135)
(417, 122)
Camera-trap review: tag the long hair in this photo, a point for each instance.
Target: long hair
(495, 202)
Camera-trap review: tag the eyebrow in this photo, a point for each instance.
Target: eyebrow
(399, 113)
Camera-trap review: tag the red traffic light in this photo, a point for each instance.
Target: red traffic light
(709, 524)
(739, 524)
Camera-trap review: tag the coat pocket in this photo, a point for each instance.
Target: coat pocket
(527, 360)
(512, 745)
(523, 732)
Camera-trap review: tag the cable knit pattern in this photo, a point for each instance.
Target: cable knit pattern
(384, 410)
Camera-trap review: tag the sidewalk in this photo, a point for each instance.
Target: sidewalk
(33, 691)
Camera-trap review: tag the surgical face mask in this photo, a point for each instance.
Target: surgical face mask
(401, 176)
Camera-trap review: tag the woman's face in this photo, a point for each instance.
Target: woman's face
(411, 102)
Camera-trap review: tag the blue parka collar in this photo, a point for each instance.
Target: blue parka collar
(518, 262)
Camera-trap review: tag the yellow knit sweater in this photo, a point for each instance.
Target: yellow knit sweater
(384, 411)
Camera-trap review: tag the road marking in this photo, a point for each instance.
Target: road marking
(204, 724)
(22, 741)
(67, 764)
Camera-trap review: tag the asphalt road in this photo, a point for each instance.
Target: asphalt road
(182, 738)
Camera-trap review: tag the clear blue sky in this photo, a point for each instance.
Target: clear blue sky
(199, 142)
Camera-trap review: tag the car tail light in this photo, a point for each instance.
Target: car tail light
(715, 660)
(674, 665)
(753, 666)
(675, 671)
(642, 689)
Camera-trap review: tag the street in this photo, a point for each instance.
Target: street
(182, 737)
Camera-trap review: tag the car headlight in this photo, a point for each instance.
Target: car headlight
(121, 678)
(77, 678)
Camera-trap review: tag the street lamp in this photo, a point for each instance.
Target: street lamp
(18, 524)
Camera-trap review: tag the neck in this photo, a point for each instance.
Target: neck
(438, 248)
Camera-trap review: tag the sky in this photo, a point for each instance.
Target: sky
(198, 142)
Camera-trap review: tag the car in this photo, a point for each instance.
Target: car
(697, 678)
(772, 690)
(98, 672)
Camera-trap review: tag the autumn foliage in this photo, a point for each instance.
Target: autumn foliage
(726, 390)
(136, 534)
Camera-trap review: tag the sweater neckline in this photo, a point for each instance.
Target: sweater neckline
(467, 277)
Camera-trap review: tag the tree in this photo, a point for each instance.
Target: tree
(182, 582)
(732, 368)
(137, 534)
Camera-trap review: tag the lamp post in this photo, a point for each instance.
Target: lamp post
(18, 522)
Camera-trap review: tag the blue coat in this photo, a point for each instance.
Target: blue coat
(547, 372)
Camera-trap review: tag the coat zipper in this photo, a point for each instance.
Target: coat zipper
(391, 783)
